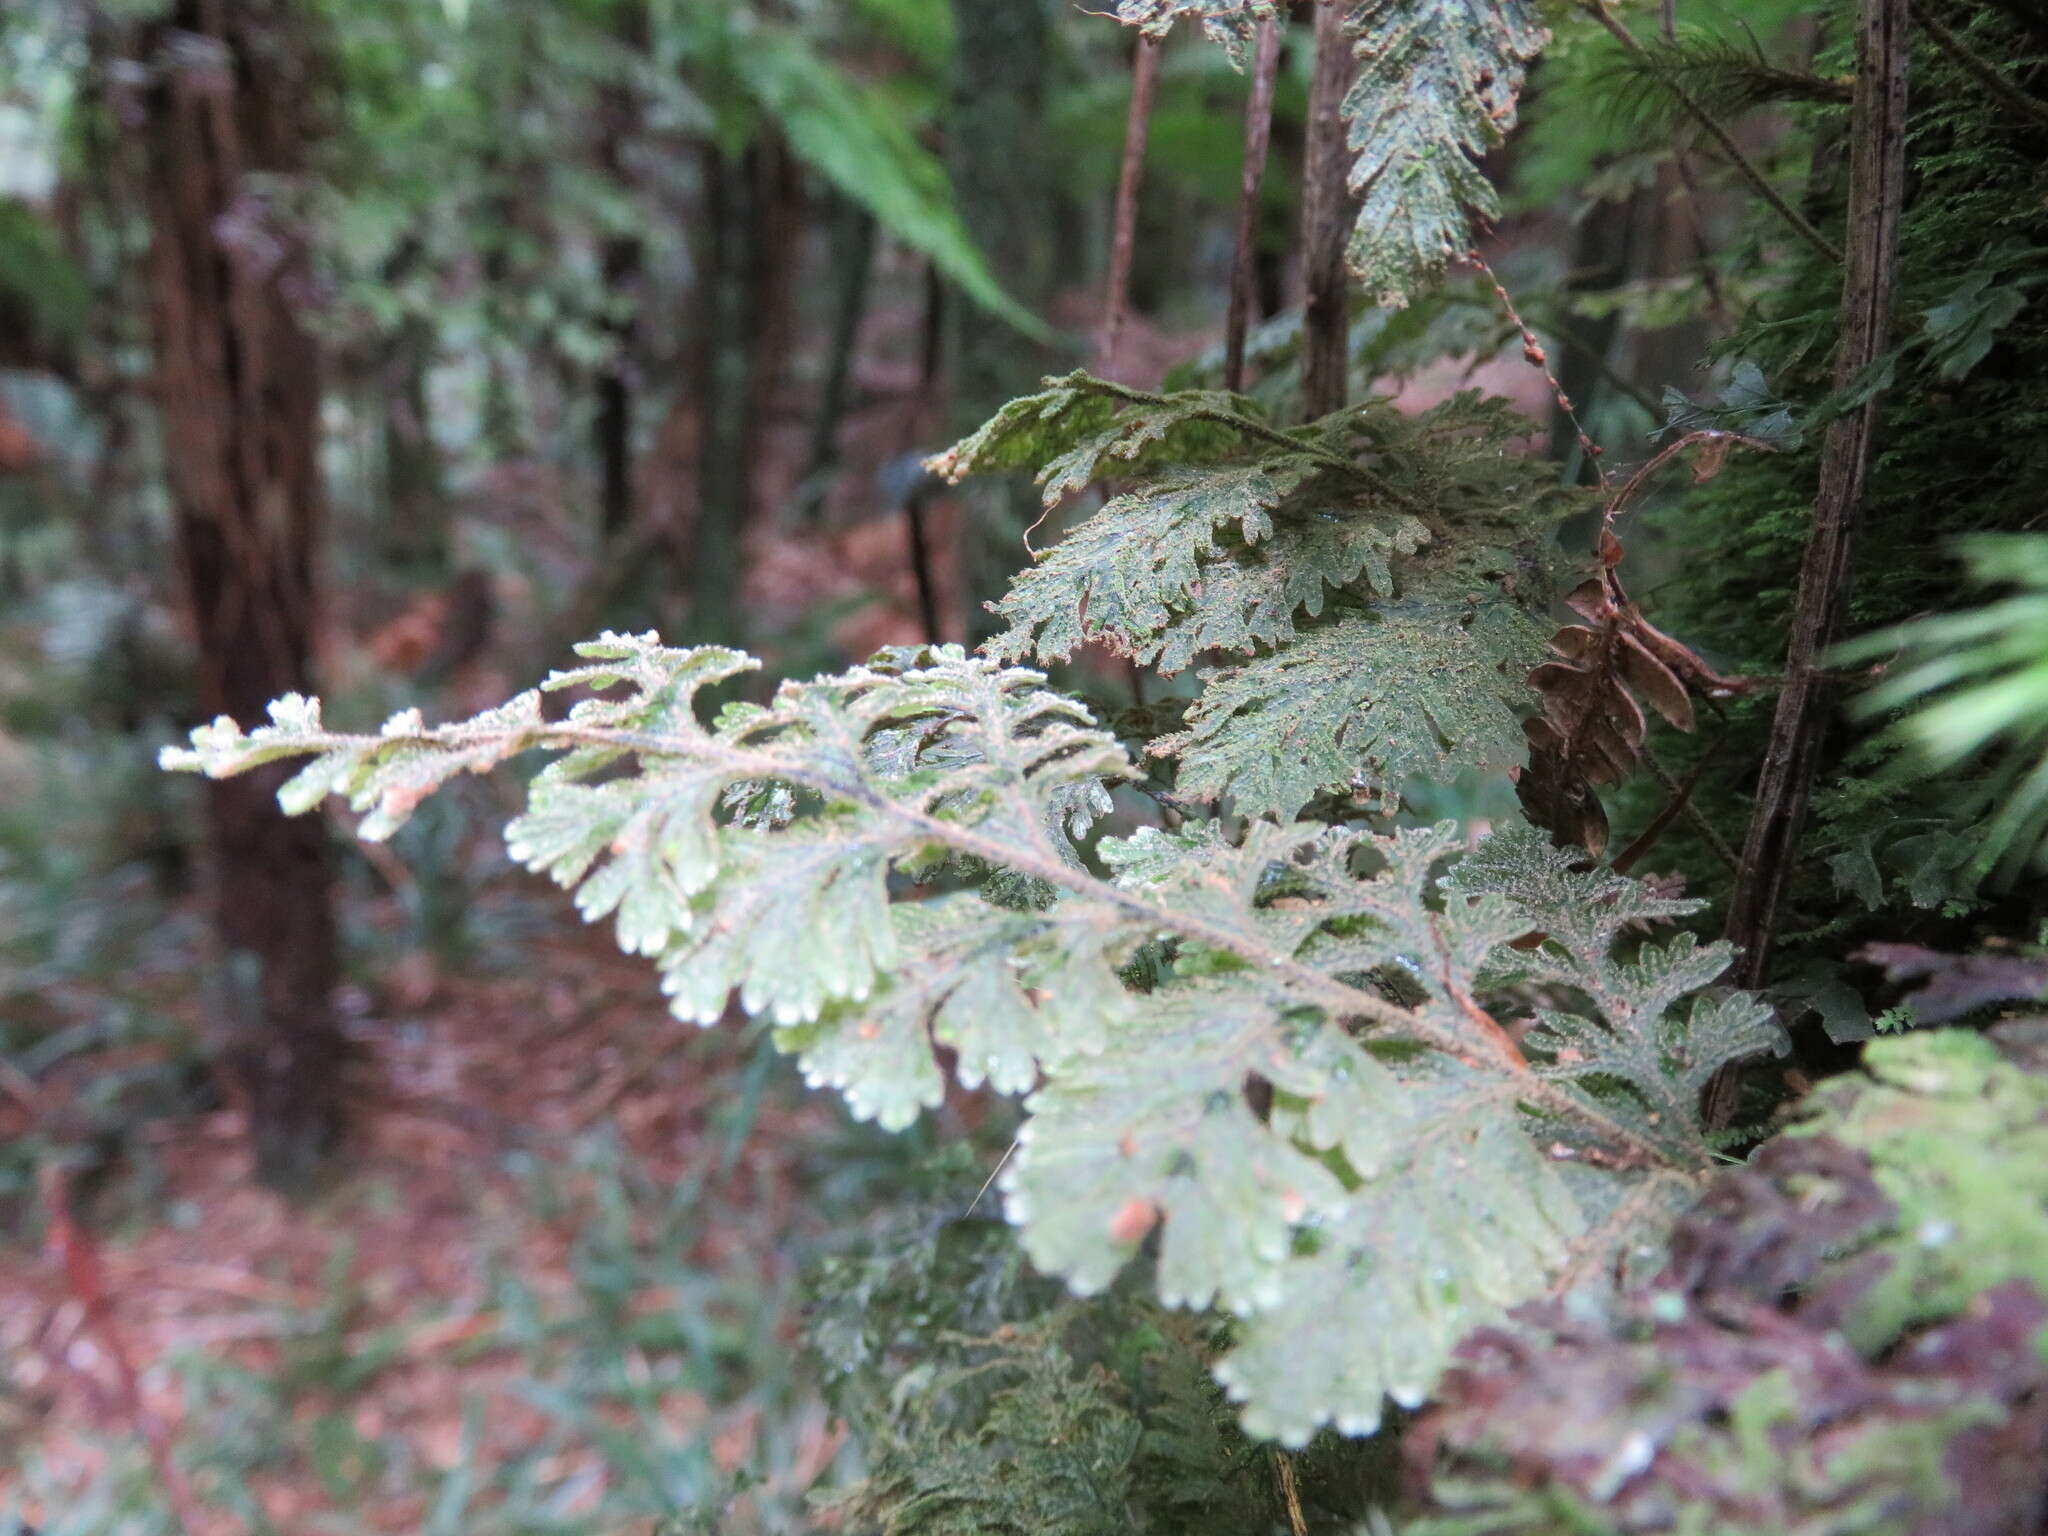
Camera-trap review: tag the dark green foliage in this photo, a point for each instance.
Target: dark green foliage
(984, 1401)
(1964, 439)
(1851, 1336)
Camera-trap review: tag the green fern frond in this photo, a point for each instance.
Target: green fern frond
(1973, 688)
(1407, 1181)
(1436, 89)
(1723, 75)
(1425, 686)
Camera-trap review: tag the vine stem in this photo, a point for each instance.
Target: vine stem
(1485, 1048)
(1599, 11)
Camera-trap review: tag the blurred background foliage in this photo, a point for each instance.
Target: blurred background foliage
(630, 312)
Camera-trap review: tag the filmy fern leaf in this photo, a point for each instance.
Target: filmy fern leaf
(846, 860)
(1426, 687)
(1229, 22)
(1436, 88)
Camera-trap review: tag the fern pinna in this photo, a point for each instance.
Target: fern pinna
(1362, 1086)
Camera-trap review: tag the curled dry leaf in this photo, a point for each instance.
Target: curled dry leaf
(1593, 693)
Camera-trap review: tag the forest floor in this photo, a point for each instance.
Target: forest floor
(562, 1215)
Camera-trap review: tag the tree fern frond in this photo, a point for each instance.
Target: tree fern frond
(1424, 686)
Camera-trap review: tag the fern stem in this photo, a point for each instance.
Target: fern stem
(1598, 10)
(1981, 69)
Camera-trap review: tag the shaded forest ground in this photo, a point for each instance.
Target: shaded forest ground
(564, 1219)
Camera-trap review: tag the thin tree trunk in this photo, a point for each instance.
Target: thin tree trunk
(721, 385)
(1258, 140)
(228, 86)
(773, 259)
(1325, 226)
(620, 259)
(857, 235)
(996, 149)
(415, 494)
(1876, 193)
(1123, 243)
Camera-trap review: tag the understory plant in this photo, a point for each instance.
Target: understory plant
(1340, 1083)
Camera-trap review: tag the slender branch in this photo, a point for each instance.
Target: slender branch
(1124, 240)
(1258, 138)
(1979, 68)
(1598, 10)
(1534, 355)
(1877, 173)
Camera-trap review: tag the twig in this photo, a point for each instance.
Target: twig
(1978, 67)
(1124, 240)
(1679, 803)
(1536, 357)
(1290, 1492)
(1258, 139)
(1598, 10)
(1877, 173)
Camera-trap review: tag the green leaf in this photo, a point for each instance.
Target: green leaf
(839, 130)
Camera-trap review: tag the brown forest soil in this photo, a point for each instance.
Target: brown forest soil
(419, 1208)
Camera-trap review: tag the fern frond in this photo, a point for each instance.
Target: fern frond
(1425, 535)
(1229, 22)
(1723, 75)
(1425, 686)
(1406, 1183)
(1436, 89)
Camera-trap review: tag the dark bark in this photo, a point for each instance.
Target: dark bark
(1258, 139)
(619, 260)
(855, 237)
(1325, 222)
(1876, 194)
(239, 391)
(415, 491)
(720, 385)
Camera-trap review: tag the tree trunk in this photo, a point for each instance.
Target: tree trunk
(1002, 177)
(719, 381)
(620, 260)
(1325, 225)
(228, 88)
(415, 492)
